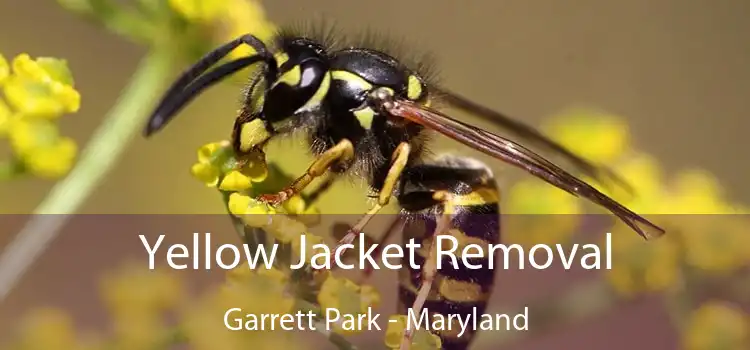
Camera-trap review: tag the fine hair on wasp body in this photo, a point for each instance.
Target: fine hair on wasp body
(366, 113)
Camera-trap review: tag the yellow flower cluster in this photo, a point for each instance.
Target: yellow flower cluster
(347, 297)
(142, 302)
(217, 167)
(540, 214)
(690, 206)
(52, 329)
(36, 93)
(138, 300)
(215, 164)
(262, 291)
(717, 325)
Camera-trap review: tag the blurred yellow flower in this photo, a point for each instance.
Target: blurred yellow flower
(640, 266)
(310, 241)
(270, 280)
(540, 213)
(47, 329)
(254, 293)
(53, 161)
(715, 243)
(134, 287)
(41, 87)
(242, 17)
(38, 144)
(597, 136)
(199, 10)
(37, 92)
(348, 298)
(696, 192)
(717, 326)
(137, 299)
(644, 174)
(422, 339)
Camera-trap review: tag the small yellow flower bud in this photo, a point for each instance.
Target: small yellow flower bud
(54, 161)
(207, 151)
(235, 181)
(275, 276)
(253, 213)
(27, 135)
(395, 331)
(285, 229)
(347, 297)
(239, 204)
(205, 173)
(257, 215)
(310, 241)
(294, 205)
(422, 339)
(239, 274)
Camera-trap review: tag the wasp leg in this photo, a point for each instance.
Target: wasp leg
(342, 152)
(429, 269)
(392, 228)
(400, 157)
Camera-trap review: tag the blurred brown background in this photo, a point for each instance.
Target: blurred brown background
(677, 70)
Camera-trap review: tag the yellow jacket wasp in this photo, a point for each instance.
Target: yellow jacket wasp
(367, 113)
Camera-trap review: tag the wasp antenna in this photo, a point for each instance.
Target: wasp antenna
(172, 106)
(186, 87)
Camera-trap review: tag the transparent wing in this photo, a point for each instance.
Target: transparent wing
(519, 156)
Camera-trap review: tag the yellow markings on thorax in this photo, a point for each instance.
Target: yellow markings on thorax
(365, 117)
(252, 134)
(366, 114)
(320, 94)
(291, 77)
(480, 196)
(352, 79)
(281, 58)
(414, 88)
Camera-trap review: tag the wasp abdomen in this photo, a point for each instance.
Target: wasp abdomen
(461, 286)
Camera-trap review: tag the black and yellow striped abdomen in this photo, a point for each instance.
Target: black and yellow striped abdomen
(473, 201)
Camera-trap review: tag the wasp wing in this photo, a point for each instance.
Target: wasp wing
(530, 134)
(519, 156)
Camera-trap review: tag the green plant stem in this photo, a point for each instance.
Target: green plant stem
(121, 124)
